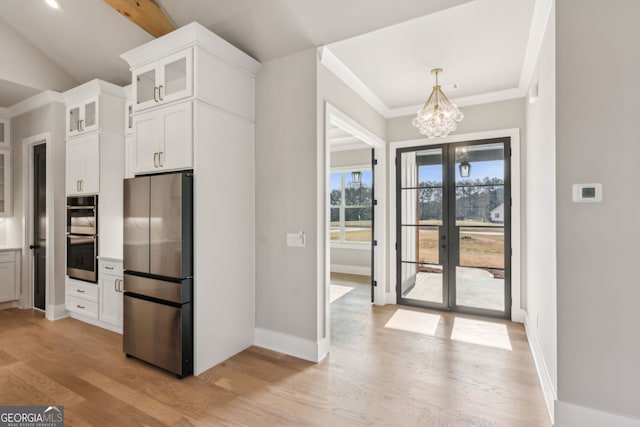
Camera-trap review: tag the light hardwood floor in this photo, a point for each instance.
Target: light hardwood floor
(375, 375)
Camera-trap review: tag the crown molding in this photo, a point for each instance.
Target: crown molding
(36, 101)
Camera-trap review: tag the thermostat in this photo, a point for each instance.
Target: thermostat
(587, 193)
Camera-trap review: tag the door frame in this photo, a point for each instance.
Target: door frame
(26, 299)
(517, 312)
(333, 115)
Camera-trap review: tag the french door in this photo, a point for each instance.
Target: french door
(453, 229)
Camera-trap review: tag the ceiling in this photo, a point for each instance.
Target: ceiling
(481, 44)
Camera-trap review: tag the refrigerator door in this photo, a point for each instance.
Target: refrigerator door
(136, 224)
(158, 334)
(166, 240)
(176, 292)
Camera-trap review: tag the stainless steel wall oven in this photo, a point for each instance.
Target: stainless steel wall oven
(82, 238)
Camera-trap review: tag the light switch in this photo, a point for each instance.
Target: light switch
(296, 240)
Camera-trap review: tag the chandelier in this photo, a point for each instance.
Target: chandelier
(438, 117)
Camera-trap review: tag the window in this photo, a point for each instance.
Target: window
(351, 208)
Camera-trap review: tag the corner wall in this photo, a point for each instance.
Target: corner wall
(598, 123)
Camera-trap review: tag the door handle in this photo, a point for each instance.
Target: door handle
(161, 92)
(156, 92)
(155, 160)
(34, 246)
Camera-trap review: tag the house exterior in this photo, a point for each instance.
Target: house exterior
(497, 214)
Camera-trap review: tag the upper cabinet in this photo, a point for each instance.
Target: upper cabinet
(83, 116)
(5, 183)
(163, 81)
(5, 137)
(83, 165)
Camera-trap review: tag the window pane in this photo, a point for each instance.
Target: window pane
(357, 224)
(480, 205)
(334, 230)
(335, 186)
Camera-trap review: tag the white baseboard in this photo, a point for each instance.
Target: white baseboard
(548, 390)
(56, 312)
(289, 344)
(517, 314)
(570, 415)
(351, 269)
(8, 304)
(96, 322)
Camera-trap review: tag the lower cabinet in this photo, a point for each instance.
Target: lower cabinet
(101, 303)
(9, 276)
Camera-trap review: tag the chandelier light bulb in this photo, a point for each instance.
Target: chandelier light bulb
(439, 116)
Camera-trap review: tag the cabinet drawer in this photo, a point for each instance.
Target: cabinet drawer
(82, 306)
(8, 256)
(80, 290)
(111, 268)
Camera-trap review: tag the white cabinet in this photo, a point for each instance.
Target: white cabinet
(83, 116)
(5, 183)
(111, 288)
(163, 81)
(5, 135)
(82, 298)
(164, 139)
(9, 276)
(128, 117)
(83, 165)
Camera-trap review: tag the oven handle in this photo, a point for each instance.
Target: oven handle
(84, 208)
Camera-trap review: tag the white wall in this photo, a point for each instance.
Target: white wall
(539, 272)
(286, 139)
(25, 65)
(598, 128)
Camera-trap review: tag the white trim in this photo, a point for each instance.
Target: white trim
(96, 322)
(570, 415)
(548, 391)
(360, 246)
(351, 168)
(56, 312)
(26, 299)
(288, 344)
(514, 134)
(36, 101)
(337, 67)
(351, 269)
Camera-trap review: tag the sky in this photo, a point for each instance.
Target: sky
(336, 180)
(479, 170)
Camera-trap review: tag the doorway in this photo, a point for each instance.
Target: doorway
(454, 226)
(39, 245)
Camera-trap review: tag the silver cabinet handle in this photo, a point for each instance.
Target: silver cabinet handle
(161, 92)
(78, 185)
(160, 155)
(81, 307)
(156, 94)
(82, 185)
(108, 267)
(155, 160)
(80, 291)
(78, 125)
(115, 285)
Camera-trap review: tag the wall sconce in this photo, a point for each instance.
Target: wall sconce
(465, 169)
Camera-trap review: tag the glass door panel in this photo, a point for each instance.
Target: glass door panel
(175, 76)
(74, 119)
(90, 114)
(146, 87)
(422, 273)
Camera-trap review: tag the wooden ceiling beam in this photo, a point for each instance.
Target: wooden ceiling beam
(144, 13)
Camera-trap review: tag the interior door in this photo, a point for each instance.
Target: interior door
(453, 206)
(39, 245)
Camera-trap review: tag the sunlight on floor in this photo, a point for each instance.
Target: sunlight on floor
(488, 334)
(337, 291)
(414, 321)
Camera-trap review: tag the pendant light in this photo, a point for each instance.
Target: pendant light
(465, 169)
(356, 177)
(438, 117)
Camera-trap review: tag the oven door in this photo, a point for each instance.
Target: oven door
(82, 262)
(81, 220)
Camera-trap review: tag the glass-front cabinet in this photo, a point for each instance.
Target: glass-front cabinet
(83, 116)
(163, 81)
(5, 183)
(5, 138)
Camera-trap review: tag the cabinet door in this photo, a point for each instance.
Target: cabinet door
(7, 281)
(5, 137)
(147, 140)
(73, 119)
(90, 115)
(5, 183)
(83, 165)
(176, 76)
(145, 87)
(177, 150)
(111, 300)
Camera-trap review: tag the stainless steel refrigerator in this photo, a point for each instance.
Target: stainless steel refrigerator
(158, 276)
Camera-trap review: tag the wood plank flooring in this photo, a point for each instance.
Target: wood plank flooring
(452, 370)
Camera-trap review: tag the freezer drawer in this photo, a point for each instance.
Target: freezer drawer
(159, 334)
(159, 289)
